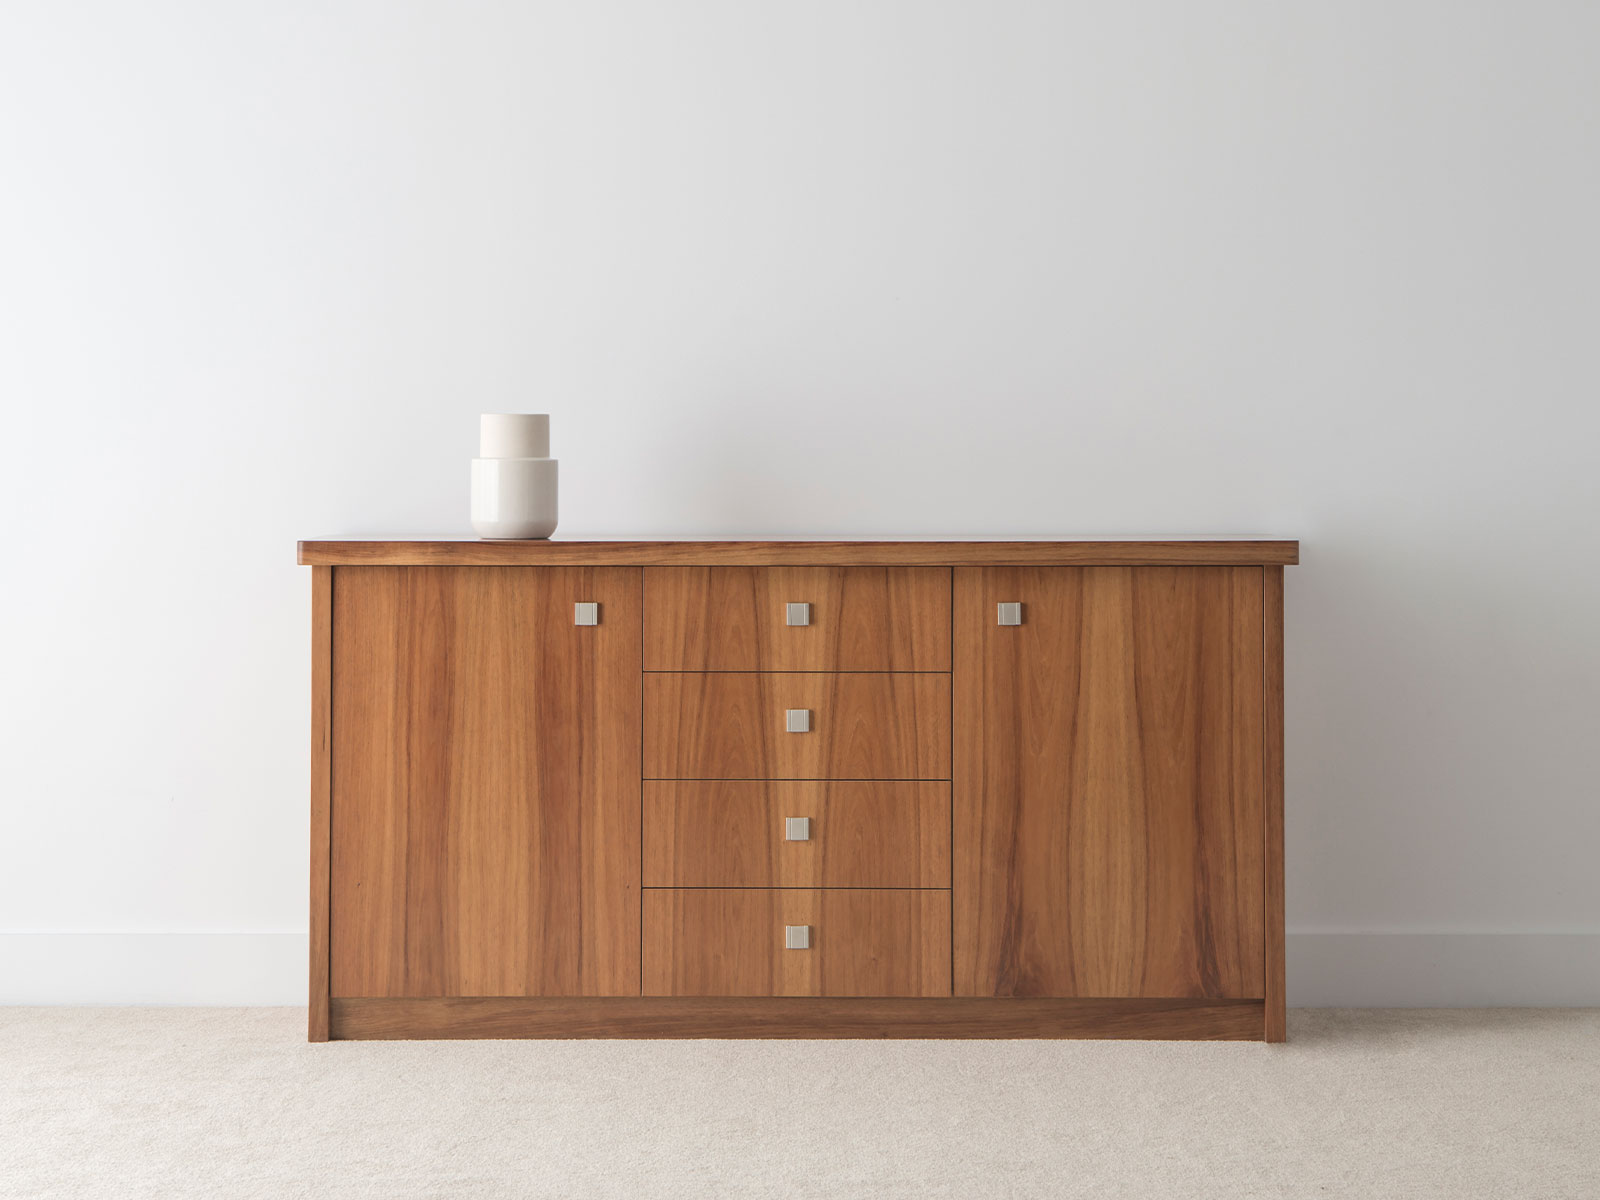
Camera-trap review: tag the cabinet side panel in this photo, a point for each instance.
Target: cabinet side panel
(321, 784)
(1272, 713)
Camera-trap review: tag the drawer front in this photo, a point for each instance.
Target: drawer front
(738, 619)
(744, 833)
(712, 725)
(735, 942)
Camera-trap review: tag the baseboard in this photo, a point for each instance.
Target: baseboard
(1443, 970)
(180, 966)
(254, 967)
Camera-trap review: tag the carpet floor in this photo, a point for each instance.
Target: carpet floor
(170, 1102)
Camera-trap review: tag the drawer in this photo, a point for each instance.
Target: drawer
(732, 942)
(736, 725)
(737, 619)
(706, 833)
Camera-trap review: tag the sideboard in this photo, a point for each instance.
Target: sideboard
(797, 789)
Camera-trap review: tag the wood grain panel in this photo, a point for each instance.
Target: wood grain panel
(485, 832)
(321, 787)
(1106, 832)
(730, 942)
(733, 619)
(1272, 715)
(711, 553)
(718, 725)
(1240, 863)
(784, 1017)
(708, 833)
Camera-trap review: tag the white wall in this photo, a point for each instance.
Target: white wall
(848, 267)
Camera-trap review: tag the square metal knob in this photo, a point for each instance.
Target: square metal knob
(797, 829)
(1010, 614)
(586, 614)
(797, 937)
(797, 720)
(797, 614)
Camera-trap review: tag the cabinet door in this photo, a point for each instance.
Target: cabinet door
(485, 807)
(1108, 820)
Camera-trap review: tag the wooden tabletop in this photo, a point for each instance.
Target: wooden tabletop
(780, 552)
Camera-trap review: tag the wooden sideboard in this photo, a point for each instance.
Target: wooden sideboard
(797, 789)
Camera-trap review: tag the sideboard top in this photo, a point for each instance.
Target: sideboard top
(779, 552)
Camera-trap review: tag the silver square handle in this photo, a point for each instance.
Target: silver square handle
(797, 614)
(797, 720)
(797, 937)
(586, 613)
(797, 829)
(1010, 614)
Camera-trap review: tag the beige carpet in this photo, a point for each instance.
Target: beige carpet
(131, 1103)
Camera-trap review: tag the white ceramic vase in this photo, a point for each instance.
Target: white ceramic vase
(514, 479)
